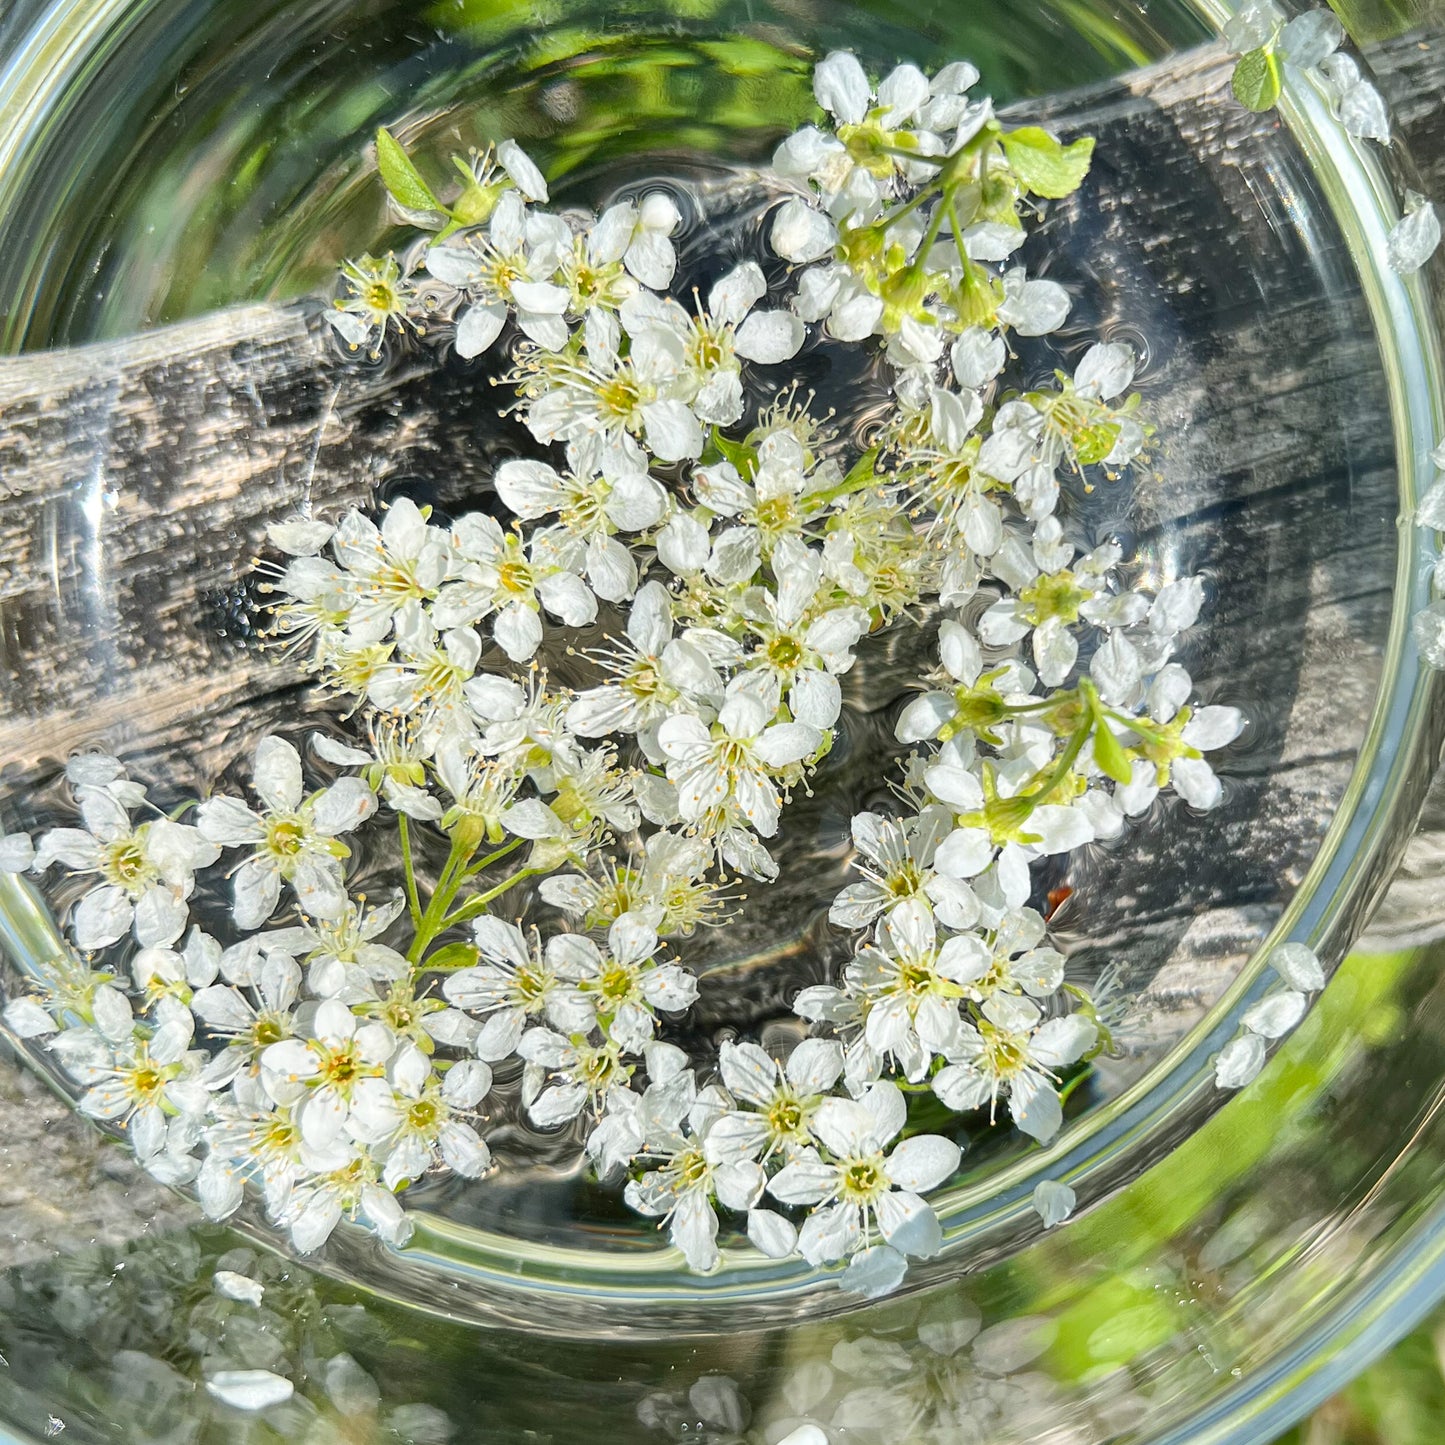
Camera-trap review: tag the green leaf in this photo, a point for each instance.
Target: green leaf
(453, 955)
(1044, 165)
(862, 471)
(401, 177)
(1256, 79)
(1113, 761)
(740, 454)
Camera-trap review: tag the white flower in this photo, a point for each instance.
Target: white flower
(378, 300)
(1174, 756)
(637, 235)
(145, 872)
(667, 887)
(912, 984)
(249, 1028)
(386, 568)
(321, 1077)
(681, 1188)
(802, 644)
(1002, 830)
(394, 768)
(654, 674)
(716, 340)
(592, 510)
(782, 1101)
(294, 838)
(1051, 596)
(427, 680)
(510, 581)
(859, 1184)
(738, 760)
(512, 985)
(413, 1119)
(895, 859)
(342, 955)
(781, 497)
(609, 401)
(318, 1203)
(501, 270)
(563, 1077)
(623, 987)
(144, 1086)
(1011, 1050)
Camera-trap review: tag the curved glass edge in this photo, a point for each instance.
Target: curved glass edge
(1356, 1335)
(1366, 1325)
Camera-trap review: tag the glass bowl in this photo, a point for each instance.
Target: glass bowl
(178, 177)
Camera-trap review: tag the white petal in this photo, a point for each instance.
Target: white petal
(872, 1273)
(841, 86)
(1035, 1108)
(769, 337)
(102, 917)
(1105, 370)
(1363, 112)
(1053, 1201)
(800, 233)
(923, 1162)
(277, 775)
(1038, 308)
(1298, 967)
(1276, 1014)
(249, 1389)
(771, 1234)
(735, 295)
(479, 326)
(1239, 1061)
(523, 171)
(1413, 239)
(345, 805)
(909, 1224)
(673, 432)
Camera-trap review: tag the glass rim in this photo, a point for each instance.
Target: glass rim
(1115, 1141)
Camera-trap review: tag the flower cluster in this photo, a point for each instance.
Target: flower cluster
(331, 1048)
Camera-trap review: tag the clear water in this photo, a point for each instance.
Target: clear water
(217, 156)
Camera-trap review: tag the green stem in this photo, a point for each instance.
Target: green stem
(938, 162)
(496, 857)
(446, 889)
(1059, 699)
(957, 229)
(1136, 725)
(478, 905)
(935, 225)
(413, 900)
(1042, 784)
(907, 208)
